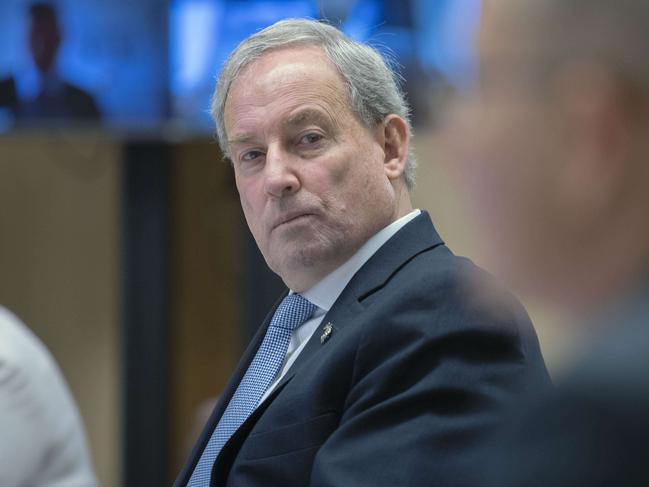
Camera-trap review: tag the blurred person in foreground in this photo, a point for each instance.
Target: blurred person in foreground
(378, 366)
(42, 441)
(38, 92)
(560, 177)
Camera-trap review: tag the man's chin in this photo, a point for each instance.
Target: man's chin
(295, 257)
(305, 262)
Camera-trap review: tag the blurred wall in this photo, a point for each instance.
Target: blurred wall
(206, 289)
(59, 269)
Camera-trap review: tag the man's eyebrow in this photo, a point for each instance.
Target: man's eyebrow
(240, 139)
(295, 119)
(308, 115)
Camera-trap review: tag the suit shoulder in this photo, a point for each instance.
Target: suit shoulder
(440, 295)
(439, 276)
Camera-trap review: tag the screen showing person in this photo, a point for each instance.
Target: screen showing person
(83, 63)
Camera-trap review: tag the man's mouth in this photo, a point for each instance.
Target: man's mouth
(292, 217)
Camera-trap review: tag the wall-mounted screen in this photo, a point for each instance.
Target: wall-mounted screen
(84, 61)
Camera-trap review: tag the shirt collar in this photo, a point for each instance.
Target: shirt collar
(325, 293)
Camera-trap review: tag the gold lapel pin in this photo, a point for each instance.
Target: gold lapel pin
(326, 332)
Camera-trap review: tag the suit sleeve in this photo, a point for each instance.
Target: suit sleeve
(430, 378)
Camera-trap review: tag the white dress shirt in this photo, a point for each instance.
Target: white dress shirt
(325, 293)
(42, 442)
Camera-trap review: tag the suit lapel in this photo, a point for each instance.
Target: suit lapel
(418, 236)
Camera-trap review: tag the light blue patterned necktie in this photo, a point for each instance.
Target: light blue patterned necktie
(292, 312)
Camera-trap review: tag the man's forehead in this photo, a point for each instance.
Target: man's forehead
(284, 72)
(283, 61)
(292, 85)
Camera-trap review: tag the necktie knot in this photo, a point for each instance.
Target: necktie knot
(292, 312)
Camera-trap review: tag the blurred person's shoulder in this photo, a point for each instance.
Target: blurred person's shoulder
(31, 376)
(40, 420)
(20, 348)
(592, 429)
(617, 362)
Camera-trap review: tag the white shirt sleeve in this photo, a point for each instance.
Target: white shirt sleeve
(42, 441)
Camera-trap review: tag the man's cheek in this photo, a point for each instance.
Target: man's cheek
(254, 218)
(250, 198)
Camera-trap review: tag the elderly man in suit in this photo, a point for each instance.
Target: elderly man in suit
(563, 178)
(380, 366)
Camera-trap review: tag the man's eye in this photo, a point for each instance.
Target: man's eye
(311, 138)
(251, 155)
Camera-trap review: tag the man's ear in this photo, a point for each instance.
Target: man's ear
(598, 126)
(395, 138)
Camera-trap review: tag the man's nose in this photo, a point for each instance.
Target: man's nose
(281, 178)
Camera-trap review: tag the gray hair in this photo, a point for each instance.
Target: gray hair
(373, 90)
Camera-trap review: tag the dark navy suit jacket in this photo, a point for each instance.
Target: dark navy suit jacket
(408, 384)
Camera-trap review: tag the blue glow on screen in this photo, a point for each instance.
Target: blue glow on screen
(202, 33)
(446, 31)
(435, 35)
(147, 61)
(115, 50)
